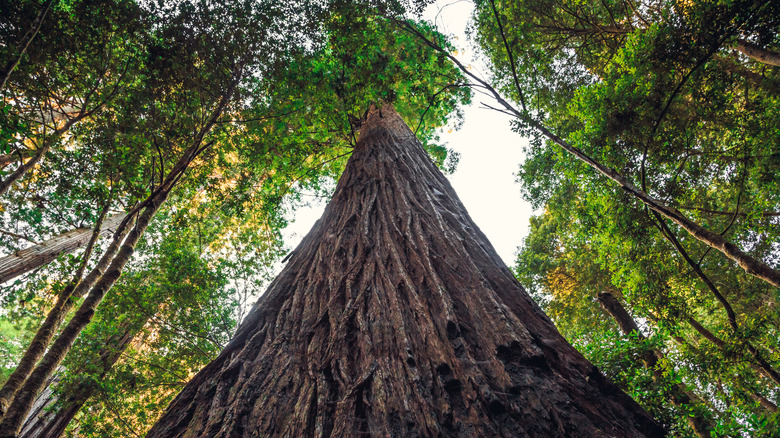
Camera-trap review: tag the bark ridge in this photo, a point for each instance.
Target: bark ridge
(396, 317)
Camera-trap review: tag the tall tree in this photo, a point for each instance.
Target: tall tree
(395, 316)
(577, 258)
(21, 262)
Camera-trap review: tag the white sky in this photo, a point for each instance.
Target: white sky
(490, 154)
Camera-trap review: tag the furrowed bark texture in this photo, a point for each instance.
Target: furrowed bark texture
(21, 262)
(396, 317)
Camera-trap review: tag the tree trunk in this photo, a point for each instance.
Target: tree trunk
(21, 262)
(41, 408)
(680, 395)
(51, 424)
(395, 317)
(47, 330)
(23, 400)
(7, 159)
(757, 53)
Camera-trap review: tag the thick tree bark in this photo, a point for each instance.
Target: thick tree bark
(680, 395)
(21, 262)
(395, 317)
(44, 423)
(759, 54)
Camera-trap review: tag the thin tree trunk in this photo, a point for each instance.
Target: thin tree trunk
(24, 43)
(25, 396)
(764, 402)
(52, 424)
(41, 409)
(47, 330)
(750, 264)
(23, 261)
(396, 317)
(680, 395)
(768, 405)
(7, 159)
(759, 54)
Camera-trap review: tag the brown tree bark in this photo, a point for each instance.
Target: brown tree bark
(43, 404)
(21, 262)
(759, 54)
(680, 395)
(7, 159)
(44, 423)
(396, 317)
(64, 304)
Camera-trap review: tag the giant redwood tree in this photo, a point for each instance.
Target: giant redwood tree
(395, 317)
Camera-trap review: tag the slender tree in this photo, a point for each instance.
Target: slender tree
(394, 317)
(681, 396)
(21, 262)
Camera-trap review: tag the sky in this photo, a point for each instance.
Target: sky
(490, 155)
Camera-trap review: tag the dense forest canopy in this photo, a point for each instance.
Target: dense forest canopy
(191, 127)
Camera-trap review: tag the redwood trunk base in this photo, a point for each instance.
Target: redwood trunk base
(396, 317)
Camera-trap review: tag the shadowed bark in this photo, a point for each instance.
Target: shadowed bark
(759, 54)
(396, 317)
(7, 159)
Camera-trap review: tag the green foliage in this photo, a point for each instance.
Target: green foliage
(655, 91)
(169, 316)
